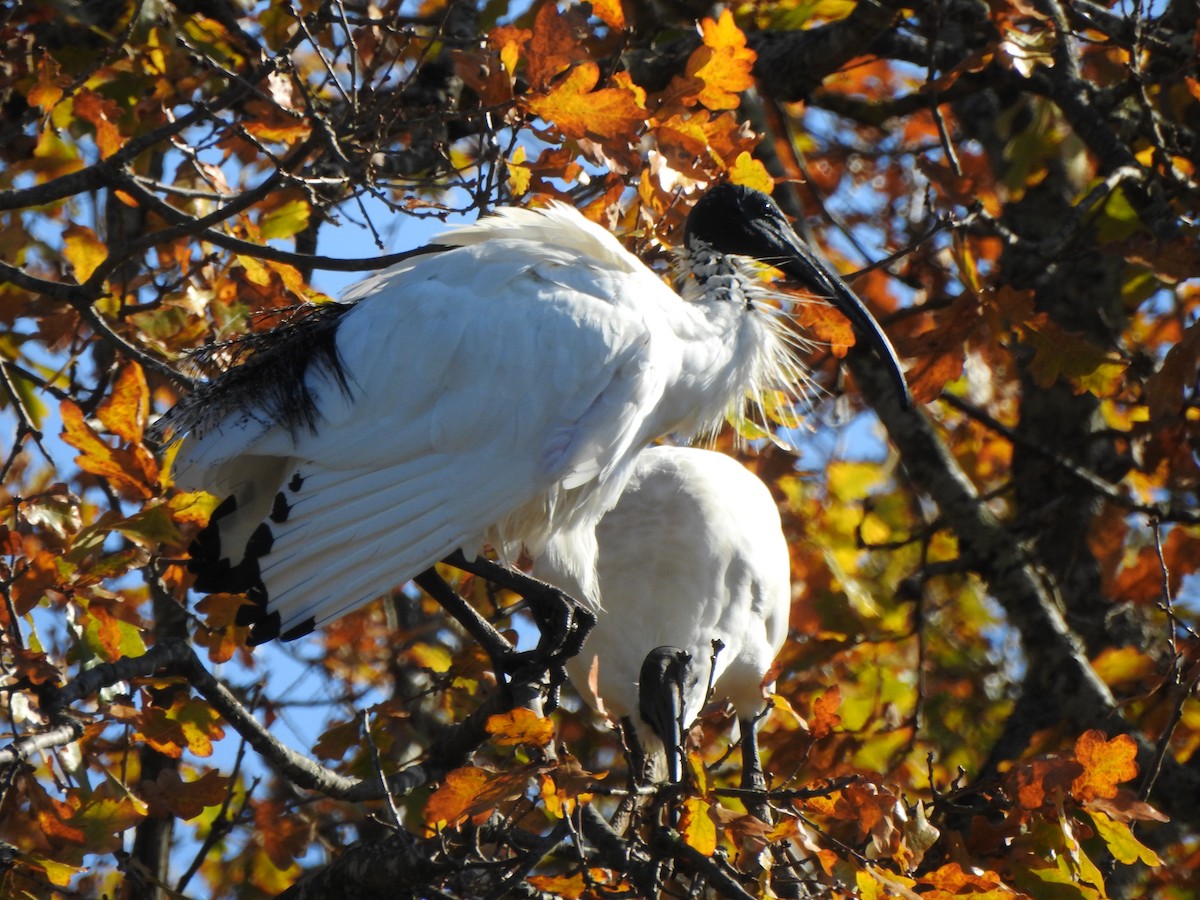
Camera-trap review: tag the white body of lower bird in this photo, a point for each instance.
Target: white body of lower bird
(693, 552)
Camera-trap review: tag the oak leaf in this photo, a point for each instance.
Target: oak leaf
(723, 64)
(578, 111)
(1105, 764)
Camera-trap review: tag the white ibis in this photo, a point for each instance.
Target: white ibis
(494, 389)
(692, 553)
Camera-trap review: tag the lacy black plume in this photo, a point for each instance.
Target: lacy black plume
(262, 373)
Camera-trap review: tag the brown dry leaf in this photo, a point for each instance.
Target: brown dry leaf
(555, 44)
(825, 717)
(283, 835)
(1040, 780)
(170, 795)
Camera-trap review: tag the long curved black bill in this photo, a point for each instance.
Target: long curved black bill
(804, 266)
(663, 681)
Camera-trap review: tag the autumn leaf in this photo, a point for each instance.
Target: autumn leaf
(1041, 781)
(824, 717)
(284, 835)
(102, 114)
(554, 45)
(697, 827)
(83, 250)
(48, 89)
(723, 64)
(169, 794)
(750, 172)
(131, 468)
(472, 791)
(610, 13)
(567, 785)
(569, 887)
(124, 410)
(1105, 764)
(111, 638)
(578, 111)
(286, 220)
(520, 726)
(1066, 355)
(1120, 841)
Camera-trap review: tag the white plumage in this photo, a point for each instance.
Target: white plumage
(495, 388)
(693, 552)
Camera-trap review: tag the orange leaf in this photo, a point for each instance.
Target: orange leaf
(124, 411)
(570, 887)
(580, 112)
(610, 13)
(825, 717)
(49, 87)
(1105, 764)
(554, 45)
(472, 791)
(1042, 777)
(723, 64)
(520, 726)
(101, 114)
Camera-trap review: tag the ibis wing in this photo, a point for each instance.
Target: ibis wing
(474, 388)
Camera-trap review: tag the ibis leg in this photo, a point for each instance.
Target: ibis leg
(498, 649)
(562, 623)
(752, 772)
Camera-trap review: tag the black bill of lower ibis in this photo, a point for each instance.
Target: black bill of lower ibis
(666, 679)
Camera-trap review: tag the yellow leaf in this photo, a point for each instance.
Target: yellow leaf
(697, 827)
(57, 873)
(256, 272)
(852, 481)
(285, 221)
(124, 411)
(83, 250)
(1121, 842)
(519, 175)
(578, 111)
(749, 172)
(433, 657)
